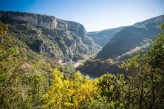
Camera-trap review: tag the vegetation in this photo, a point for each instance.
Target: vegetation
(30, 79)
(131, 37)
(142, 88)
(145, 80)
(97, 67)
(3, 31)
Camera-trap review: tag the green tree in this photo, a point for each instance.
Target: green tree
(145, 77)
(112, 89)
(3, 30)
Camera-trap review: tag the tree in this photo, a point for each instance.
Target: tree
(3, 30)
(70, 93)
(112, 89)
(146, 77)
(156, 53)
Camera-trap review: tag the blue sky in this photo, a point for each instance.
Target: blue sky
(93, 14)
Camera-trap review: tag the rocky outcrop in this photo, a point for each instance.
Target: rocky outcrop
(34, 19)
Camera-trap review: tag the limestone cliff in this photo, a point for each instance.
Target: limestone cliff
(48, 35)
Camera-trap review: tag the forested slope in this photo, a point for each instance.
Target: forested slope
(127, 39)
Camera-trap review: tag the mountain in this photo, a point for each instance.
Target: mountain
(47, 35)
(126, 43)
(104, 36)
(131, 37)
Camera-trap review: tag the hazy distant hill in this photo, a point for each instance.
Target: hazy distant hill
(131, 37)
(104, 36)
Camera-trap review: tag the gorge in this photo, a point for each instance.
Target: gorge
(68, 42)
(50, 63)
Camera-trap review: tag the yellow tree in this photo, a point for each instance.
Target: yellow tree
(70, 93)
(54, 94)
(85, 90)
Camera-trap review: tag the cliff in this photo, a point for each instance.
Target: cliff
(50, 36)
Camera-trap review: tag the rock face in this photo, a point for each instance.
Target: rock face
(34, 19)
(131, 37)
(47, 35)
(104, 36)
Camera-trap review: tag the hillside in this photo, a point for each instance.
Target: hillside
(128, 42)
(55, 38)
(103, 37)
(131, 37)
(31, 46)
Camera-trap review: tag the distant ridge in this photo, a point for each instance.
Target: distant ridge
(131, 37)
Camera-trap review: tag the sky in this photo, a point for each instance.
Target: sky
(95, 15)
